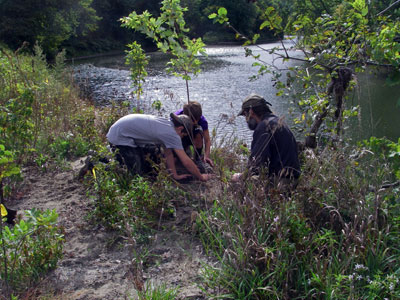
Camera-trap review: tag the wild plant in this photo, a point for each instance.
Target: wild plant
(41, 107)
(160, 292)
(131, 203)
(29, 250)
(311, 243)
(169, 34)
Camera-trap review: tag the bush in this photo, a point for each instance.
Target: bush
(41, 107)
(29, 250)
(132, 204)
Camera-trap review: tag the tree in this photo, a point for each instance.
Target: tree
(168, 32)
(48, 22)
(337, 41)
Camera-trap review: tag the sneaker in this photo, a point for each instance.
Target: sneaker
(204, 167)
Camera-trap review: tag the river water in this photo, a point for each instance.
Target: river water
(224, 83)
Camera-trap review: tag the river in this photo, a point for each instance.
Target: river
(224, 83)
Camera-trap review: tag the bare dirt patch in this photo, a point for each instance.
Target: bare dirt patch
(97, 264)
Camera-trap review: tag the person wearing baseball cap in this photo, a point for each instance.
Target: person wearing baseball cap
(273, 148)
(132, 134)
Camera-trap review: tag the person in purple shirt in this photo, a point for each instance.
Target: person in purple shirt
(201, 136)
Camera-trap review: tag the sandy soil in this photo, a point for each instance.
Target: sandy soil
(96, 263)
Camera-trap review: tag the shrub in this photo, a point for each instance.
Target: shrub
(41, 107)
(29, 250)
(132, 204)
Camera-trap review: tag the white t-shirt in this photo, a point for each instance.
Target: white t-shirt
(137, 130)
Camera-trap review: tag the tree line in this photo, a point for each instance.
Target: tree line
(89, 26)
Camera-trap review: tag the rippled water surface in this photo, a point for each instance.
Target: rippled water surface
(222, 86)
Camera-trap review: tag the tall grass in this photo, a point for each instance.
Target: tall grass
(335, 237)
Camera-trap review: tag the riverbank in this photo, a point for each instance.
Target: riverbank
(335, 234)
(97, 263)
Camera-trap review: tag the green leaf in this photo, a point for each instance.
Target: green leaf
(364, 11)
(222, 11)
(265, 23)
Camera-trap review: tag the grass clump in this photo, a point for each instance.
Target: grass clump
(160, 292)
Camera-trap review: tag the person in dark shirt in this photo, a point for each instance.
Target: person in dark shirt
(273, 147)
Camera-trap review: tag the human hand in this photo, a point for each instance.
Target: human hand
(205, 177)
(209, 161)
(236, 177)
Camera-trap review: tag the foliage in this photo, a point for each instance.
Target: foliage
(40, 110)
(387, 152)
(336, 44)
(168, 32)
(335, 235)
(7, 165)
(132, 204)
(138, 62)
(29, 249)
(49, 23)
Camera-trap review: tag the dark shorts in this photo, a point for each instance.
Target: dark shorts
(139, 160)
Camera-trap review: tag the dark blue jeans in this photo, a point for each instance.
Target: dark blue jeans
(138, 160)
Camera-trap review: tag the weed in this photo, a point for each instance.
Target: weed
(161, 292)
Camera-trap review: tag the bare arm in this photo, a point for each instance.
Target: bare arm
(170, 160)
(207, 147)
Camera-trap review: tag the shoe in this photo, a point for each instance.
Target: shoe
(204, 167)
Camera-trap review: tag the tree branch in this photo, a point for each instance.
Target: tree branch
(389, 7)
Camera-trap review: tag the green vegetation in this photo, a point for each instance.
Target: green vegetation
(338, 40)
(168, 32)
(41, 114)
(158, 293)
(29, 250)
(48, 23)
(335, 237)
(42, 122)
(132, 204)
(91, 26)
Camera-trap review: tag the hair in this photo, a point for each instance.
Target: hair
(176, 123)
(261, 110)
(193, 110)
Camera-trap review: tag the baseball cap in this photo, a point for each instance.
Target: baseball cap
(253, 100)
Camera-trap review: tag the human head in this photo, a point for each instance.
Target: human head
(193, 110)
(182, 120)
(257, 104)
